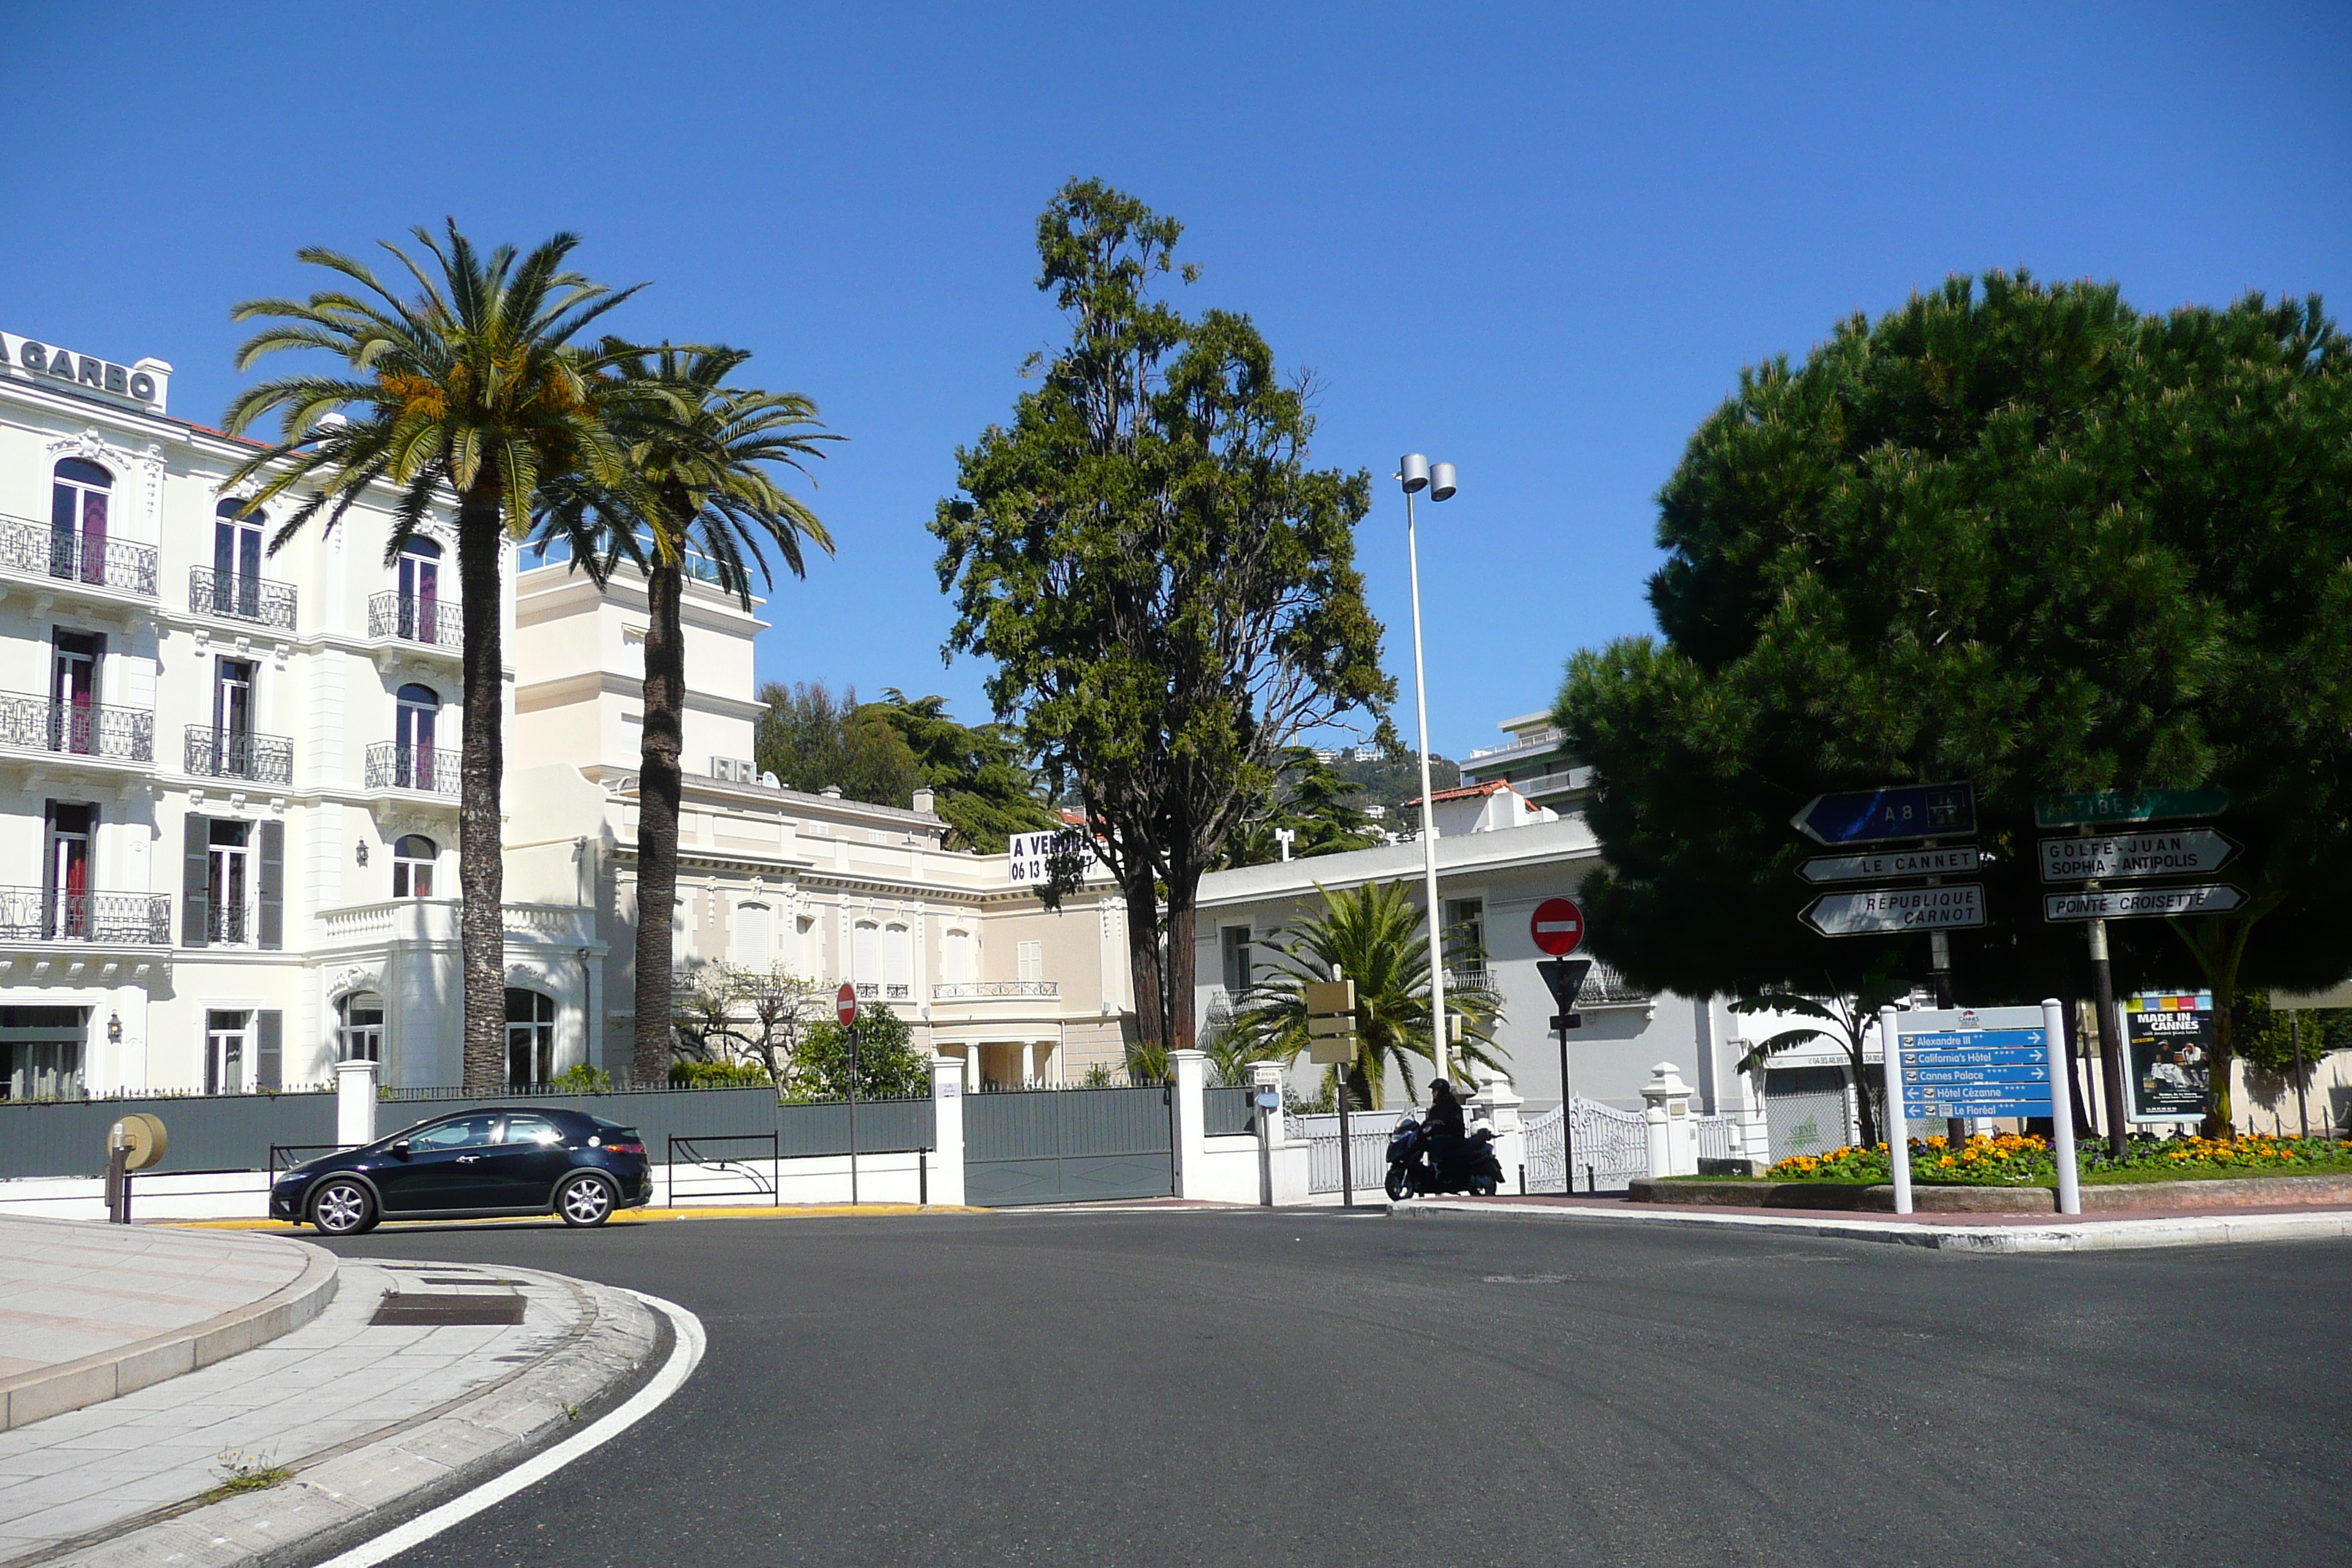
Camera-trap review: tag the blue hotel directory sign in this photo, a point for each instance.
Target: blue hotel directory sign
(1991, 1061)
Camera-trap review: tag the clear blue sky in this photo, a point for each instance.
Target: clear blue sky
(1538, 242)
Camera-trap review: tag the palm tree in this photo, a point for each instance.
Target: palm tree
(1373, 936)
(473, 386)
(698, 495)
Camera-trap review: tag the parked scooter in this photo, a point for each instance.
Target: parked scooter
(1413, 1162)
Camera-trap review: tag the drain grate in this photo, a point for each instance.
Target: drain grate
(414, 1310)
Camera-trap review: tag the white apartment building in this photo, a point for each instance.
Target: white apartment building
(228, 793)
(1534, 762)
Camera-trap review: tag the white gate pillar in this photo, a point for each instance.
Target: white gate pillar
(355, 1102)
(1188, 1124)
(946, 1130)
(1499, 1103)
(1673, 1136)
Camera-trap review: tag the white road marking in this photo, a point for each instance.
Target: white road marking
(684, 1357)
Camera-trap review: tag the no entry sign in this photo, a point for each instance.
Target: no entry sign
(845, 1004)
(1557, 927)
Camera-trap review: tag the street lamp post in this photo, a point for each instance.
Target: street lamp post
(1415, 473)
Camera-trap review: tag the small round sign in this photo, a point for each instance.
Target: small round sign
(1557, 927)
(845, 1004)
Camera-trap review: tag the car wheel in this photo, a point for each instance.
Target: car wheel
(342, 1207)
(584, 1201)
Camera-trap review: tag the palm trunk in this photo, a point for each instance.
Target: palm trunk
(659, 790)
(481, 867)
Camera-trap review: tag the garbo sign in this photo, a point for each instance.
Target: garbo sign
(78, 371)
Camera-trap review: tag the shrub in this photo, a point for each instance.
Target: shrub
(716, 1075)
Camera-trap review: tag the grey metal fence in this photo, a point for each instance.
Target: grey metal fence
(1226, 1111)
(204, 1132)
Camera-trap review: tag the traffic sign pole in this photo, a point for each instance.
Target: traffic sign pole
(1898, 1132)
(2062, 1122)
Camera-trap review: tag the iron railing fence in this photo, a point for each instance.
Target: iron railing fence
(225, 923)
(390, 766)
(38, 550)
(58, 914)
(30, 723)
(239, 596)
(417, 620)
(229, 754)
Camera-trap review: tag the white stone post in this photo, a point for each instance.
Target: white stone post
(1189, 1122)
(1499, 1103)
(355, 1102)
(1673, 1137)
(946, 1130)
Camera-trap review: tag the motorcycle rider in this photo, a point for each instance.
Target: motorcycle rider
(1448, 1128)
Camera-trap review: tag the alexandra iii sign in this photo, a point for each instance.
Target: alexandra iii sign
(45, 364)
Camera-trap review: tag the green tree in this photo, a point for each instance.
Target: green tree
(813, 740)
(1167, 590)
(1839, 1019)
(1311, 801)
(699, 487)
(1373, 936)
(474, 386)
(984, 788)
(888, 1062)
(2018, 534)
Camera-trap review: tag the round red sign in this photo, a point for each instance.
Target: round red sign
(845, 1004)
(1557, 927)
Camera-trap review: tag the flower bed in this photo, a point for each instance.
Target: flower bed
(2017, 1160)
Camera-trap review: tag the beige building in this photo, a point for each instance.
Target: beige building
(228, 792)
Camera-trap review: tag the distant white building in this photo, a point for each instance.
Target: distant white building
(1534, 762)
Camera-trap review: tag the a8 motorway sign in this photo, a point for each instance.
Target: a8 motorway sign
(1890, 814)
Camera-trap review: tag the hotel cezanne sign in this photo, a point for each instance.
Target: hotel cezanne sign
(45, 362)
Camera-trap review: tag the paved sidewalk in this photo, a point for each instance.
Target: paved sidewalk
(90, 1311)
(363, 1415)
(2109, 1230)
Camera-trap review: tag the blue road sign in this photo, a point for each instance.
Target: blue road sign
(1971, 1039)
(1932, 1109)
(2001, 1072)
(2025, 1055)
(1883, 816)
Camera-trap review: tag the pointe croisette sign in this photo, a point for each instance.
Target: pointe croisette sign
(46, 364)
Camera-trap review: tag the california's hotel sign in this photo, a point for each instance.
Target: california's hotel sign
(40, 362)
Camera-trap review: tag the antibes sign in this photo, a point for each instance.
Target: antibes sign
(46, 362)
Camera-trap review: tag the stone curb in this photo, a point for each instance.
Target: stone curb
(356, 1490)
(2103, 1236)
(2106, 1197)
(69, 1385)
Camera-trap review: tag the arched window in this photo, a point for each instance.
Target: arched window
(80, 492)
(412, 854)
(236, 561)
(754, 937)
(866, 956)
(420, 589)
(531, 1037)
(959, 958)
(898, 962)
(358, 1036)
(412, 735)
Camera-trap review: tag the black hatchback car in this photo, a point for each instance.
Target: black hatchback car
(473, 1164)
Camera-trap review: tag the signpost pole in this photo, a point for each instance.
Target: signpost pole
(2111, 1050)
(1899, 1138)
(2062, 1128)
(852, 1116)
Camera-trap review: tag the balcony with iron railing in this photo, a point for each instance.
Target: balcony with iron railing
(234, 595)
(985, 990)
(1605, 987)
(108, 919)
(406, 618)
(73, 730)
(390, 766)
(225, 754)
(37, 550)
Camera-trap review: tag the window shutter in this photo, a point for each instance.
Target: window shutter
(196, 877)
(269, 1045)
(273, 884)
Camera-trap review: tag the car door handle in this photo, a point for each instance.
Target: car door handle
(467, 1159)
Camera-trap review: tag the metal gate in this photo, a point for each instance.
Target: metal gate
(1066, 1145)
(1367, 1138)
(1613, 1147)
(1805, 1111)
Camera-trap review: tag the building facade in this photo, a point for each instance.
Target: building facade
(228, 798)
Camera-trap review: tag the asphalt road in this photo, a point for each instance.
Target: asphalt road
(1243, 1387)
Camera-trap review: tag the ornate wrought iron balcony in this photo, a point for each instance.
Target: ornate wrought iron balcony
(240, 598)
(415, 620)
(391, 765)
(974, 989)
(55, 914)
(225, 754)
(29, 724)
(34, 550)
